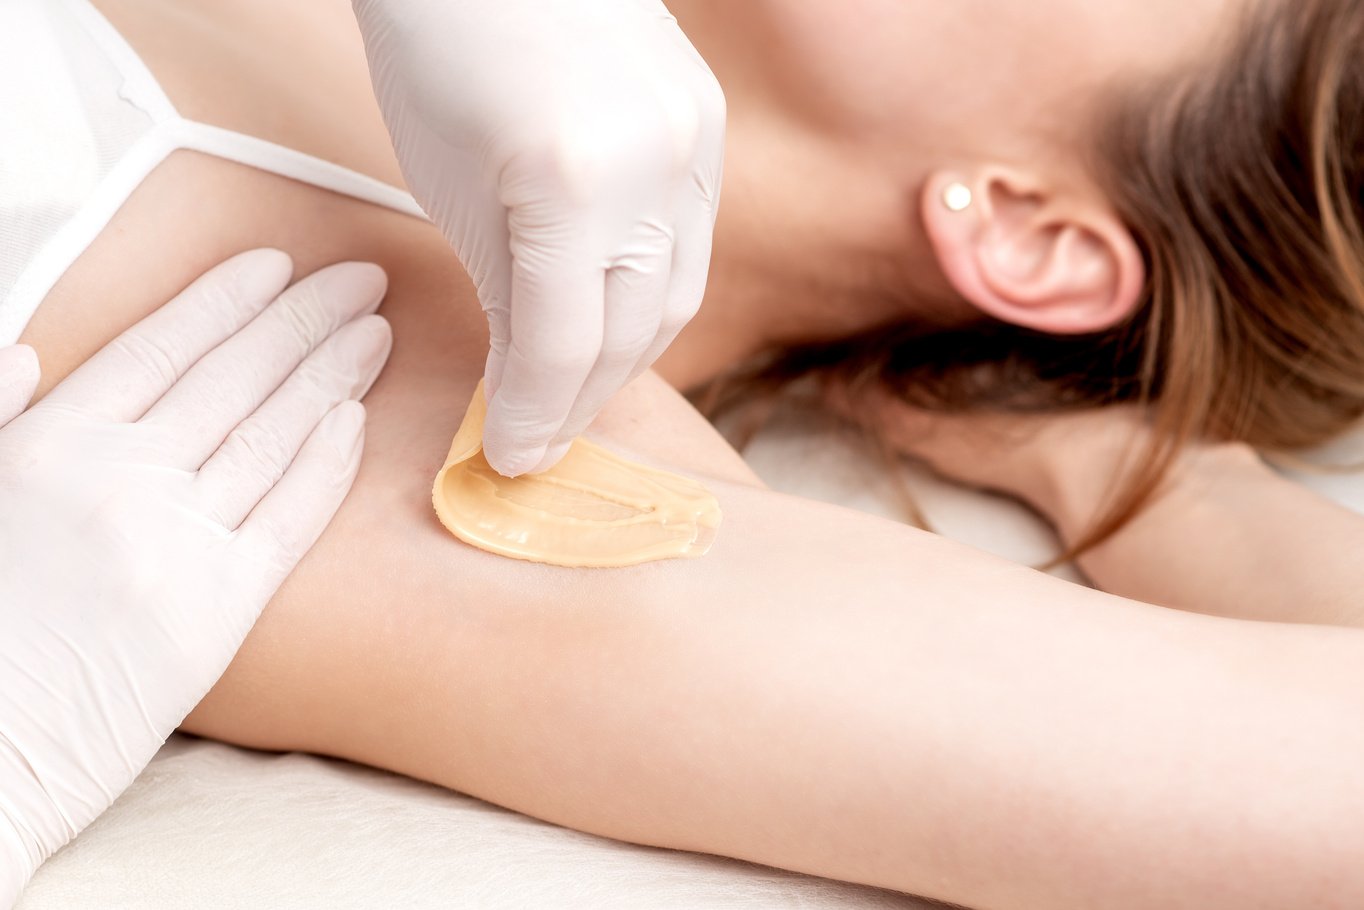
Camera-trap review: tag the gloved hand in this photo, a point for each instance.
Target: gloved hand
(571, 152)
(150, 506)
(19, 377)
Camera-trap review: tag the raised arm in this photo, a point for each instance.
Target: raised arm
(1224, 535)
(829, 693)
(1227, 536)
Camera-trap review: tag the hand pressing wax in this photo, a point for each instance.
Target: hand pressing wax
(592, 509)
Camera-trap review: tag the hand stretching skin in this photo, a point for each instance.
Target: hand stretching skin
(571, 153)
(150, 506)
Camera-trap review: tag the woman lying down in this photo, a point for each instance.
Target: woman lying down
(1022, 241)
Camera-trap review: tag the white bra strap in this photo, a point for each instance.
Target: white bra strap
(65, 247)
(287, 162)
(76, 236)
(139, 85)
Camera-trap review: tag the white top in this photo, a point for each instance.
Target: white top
(82, 124)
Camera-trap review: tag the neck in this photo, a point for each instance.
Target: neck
(814, 242)
(810, 245)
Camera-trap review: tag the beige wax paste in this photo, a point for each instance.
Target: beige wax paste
(593, 508)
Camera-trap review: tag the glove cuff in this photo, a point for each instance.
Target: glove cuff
(31, 826)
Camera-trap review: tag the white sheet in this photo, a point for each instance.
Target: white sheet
(213, 827)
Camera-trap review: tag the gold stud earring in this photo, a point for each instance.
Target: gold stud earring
(957, 197)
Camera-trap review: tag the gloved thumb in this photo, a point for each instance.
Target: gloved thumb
(494, 296)
(475, 222)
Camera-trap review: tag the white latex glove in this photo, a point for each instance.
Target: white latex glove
(571, 152)
(150, 506)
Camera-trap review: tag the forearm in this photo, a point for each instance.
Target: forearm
(886, 707)
(1230, 537)
(834, 694)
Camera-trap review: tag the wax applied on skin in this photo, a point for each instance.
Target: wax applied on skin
(592, 509)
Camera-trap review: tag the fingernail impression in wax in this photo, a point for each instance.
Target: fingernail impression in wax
(592, 509)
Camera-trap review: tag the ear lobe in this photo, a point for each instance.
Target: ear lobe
(1024, 255)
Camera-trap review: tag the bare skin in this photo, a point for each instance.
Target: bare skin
(825, 692)
(1224, 534)
(844, 121)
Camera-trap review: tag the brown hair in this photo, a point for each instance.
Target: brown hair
(1243, 184)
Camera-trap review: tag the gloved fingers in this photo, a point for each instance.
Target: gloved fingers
(132, 372)
(229, 384)
(288, 521)
(19, 375)
(486, 256)
(707, 177)
(706, 94)
(637, 290)
(259, 451)
(556, 335)
(689, 271)
(495, 299)
(499, 343)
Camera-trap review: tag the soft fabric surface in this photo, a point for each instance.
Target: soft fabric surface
(213, 827)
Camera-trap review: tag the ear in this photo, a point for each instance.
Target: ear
(1053, 261)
